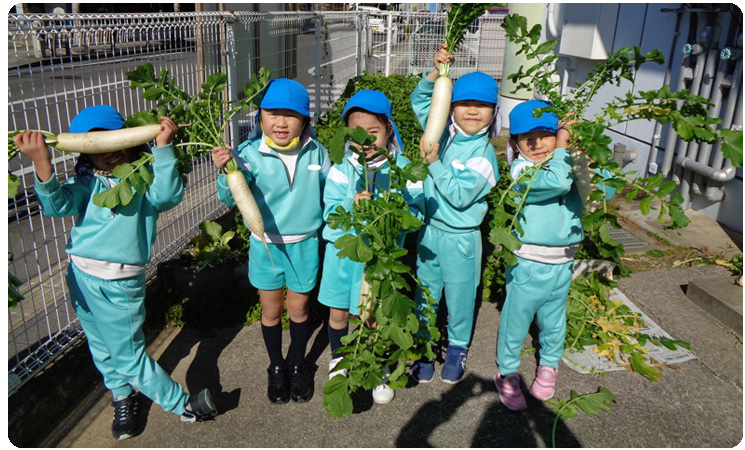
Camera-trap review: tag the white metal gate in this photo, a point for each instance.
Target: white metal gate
(59, 64)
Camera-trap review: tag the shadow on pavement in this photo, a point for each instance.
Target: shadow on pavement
(499, 427)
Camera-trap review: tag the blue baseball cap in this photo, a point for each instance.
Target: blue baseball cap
(523, 121)
(99, 116)
(283, 93)
(476, 86)
(375, 102)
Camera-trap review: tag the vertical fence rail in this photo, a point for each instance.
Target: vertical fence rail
(60, 64)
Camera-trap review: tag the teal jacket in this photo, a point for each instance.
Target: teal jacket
(125, 234)
(345, 180)
(552, 212)
(287, 208)
(459, 181)
(553, 209)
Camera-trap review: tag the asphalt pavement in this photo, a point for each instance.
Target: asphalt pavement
(698, 403)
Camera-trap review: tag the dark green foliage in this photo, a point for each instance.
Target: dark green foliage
(398, 89)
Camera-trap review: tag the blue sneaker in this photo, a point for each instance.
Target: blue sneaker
(454, 368)
(423, 371)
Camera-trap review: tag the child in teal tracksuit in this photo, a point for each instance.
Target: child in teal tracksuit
(286, 168)
(463, 169)
(346, 186)
(109, 249)
(538, 285)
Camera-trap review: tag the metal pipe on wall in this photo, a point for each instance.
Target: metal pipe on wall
(710, 89)
(685, 75)
(714, 191)
(701, 51)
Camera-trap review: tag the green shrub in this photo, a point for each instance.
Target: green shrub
(398, 89)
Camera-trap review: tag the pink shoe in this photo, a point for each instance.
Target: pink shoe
(545, 383)
(509, 391)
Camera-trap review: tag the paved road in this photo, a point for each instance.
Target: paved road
(698, 404)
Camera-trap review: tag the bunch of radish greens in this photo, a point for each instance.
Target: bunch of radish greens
(204, 119)
(377, 227)
(592, 319)
(687, 113)
(460, 17)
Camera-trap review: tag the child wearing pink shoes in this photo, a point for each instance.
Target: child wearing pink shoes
(538, 285)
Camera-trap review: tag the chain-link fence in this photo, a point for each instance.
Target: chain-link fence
(60, 64)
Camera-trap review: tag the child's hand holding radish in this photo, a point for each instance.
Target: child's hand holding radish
(168, 130)
(220, 157)
(32, 144)
(442, 56)
(429, 157)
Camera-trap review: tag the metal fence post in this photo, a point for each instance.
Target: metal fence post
(388, 45)
(317, 73)
(232, 72)
(358, 41)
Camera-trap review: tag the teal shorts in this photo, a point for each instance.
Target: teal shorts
(341, 281)
(295, 265)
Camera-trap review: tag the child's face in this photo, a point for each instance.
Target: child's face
(472, 115)
(537, 144)
(108, 161)
(374, 127)
(282, 125)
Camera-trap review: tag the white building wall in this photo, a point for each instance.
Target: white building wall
(646, 26)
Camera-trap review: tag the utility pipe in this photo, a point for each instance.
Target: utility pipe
(700, 49)
(652, 159)
(686, 74)
(714, 191)
(721, 83)
(710, 90)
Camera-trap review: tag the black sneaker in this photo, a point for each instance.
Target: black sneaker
(124, 425)
(301, 385)
(278, 389)
(200, 407)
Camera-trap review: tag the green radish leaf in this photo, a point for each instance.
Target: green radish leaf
(639, 364)
(336, 399)
(399, 335)
(13, 183)
(732, 142)
(354, 248)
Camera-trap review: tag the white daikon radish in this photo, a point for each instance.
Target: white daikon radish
(367, 301)
(106, 141)
(246, 203)
(439, 110)
(583, 177)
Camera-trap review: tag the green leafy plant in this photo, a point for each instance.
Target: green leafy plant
(398, 335)
(687, 113)
(211, 246)
(460, 17)
(613, 330)
(397, 88)
(204, 117)
(591, 404)
(13, 284)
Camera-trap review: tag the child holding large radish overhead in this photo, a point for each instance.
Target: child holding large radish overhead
(285, 168)
(538, 285)
(347, 186)
(463, 169)
(109, 249)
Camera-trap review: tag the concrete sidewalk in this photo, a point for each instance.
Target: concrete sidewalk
(698, 404)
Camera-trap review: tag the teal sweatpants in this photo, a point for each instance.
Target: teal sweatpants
(537, 290)
(451, 263)
(111, 313)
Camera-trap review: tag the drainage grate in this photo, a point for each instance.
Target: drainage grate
(627, 239)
